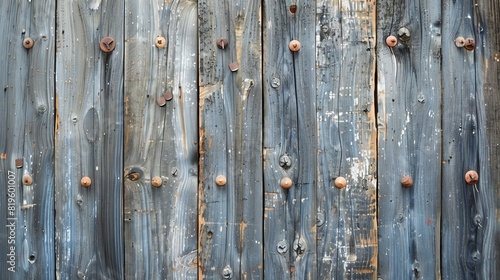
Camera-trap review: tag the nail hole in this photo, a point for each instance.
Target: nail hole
(210, 234)
(31, 258)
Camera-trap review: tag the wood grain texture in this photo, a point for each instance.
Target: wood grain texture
(347, 238)
(470, 225)
(230, 221)
(161, 223)
(89, 141)
(27, 133)
(409, 134)
(290, 135)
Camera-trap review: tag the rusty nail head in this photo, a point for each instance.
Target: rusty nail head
(28, 43)
(168, 95)
(470, 44)
(294, 45)
(286, 183)
(222, 43)
(161, 101)
(471, 177)
(86, 182)
(293, 9)
(233, 66)
(340, 182)
(27, 180)
(107, 44)
(221, 180)
(406, 181)
(19, 163)
(160, 42)
(156, 181)
(391, 41)
(460, 42)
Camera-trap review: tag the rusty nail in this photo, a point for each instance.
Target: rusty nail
(233, 66)
(340, 182)
(460, 42)
(161, 101)
(286, 182)
(28, 43)
(160, 42)
(107, 44)
(406, 181)
(470, 44)
(19, 163)
(294, 45)
(156, 181)
(168, 95)
(293, 9)
(221, 180)
(391, 41)
(27, 180)
(222, 43)
(471, 177)
(86, 182)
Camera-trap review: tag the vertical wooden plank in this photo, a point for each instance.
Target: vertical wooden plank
(26, 140)
(470, 222)
(347, 239)
(89, 140)
(290, 140)
(409, 134)
(230, 140)
(161, 222)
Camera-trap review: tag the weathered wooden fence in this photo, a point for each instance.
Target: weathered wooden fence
(178, 139)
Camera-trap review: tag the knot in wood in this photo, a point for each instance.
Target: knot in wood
(227, 272)
(285, 161)
(282, 247)
(471, 177)
(406, 181)
(404, 34)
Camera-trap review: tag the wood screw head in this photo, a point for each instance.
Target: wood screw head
(221, 180)
(391, 41)
(107, 44)
(470, 44)
(156, 181)
(406, 181)
(460, 42)
(233, 66)
(27, 180)
(471, 177)
(28, 43)
(86, 182)
(286, 182)
(222, 43)
(160, 42)
(294, 45)
(340, 182)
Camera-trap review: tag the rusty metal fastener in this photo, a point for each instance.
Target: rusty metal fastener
(28, 43)
(156, 181)
(86, 182)
(19, 163)
(107, 44)
(293, 9)
(222, 43)
(160, 42)
(471, 177)
(294, 45)
(406, 181)
(470, 44)
(27, 180)
(340, 182)
(168, 95)
(233, 66)
(161, 101)
(460, 42)
(286, 183)
(391, 41)
(221, 180)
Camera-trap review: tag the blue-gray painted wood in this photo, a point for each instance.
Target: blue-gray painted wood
(27, 134)
(409, 139)
(161, 223)
(347, 236)
(470, 237)
(89, 140)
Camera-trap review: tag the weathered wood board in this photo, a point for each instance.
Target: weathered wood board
(230, 108)
(470, 233)
(161, 57)
(347, 238)
(89, 140)
(26, 140)
(409, 138)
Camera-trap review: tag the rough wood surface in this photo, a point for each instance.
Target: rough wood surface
(290, 137)
(347, 239)
(26, 134)
(230, 221)
(89, 141)
(409, 134)
(470, 236)
(161, 223)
